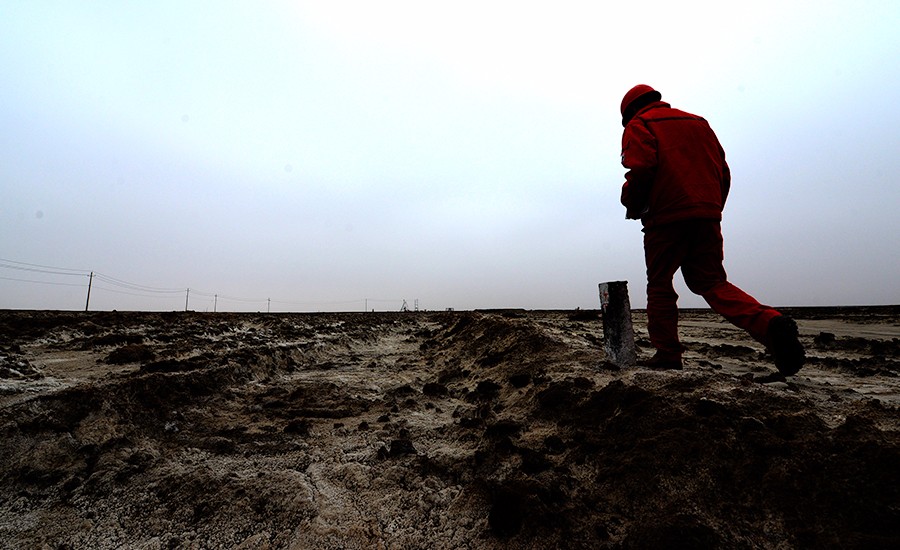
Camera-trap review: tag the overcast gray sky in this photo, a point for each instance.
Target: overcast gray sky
(340, 155)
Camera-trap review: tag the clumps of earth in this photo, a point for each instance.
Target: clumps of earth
(483, 429)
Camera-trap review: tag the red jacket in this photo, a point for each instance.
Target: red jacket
(676, 167)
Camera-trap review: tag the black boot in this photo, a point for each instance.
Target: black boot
(662, 361)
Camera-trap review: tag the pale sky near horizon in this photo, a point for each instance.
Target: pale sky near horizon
(339, 155)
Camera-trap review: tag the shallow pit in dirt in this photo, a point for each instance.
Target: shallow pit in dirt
(446, 430)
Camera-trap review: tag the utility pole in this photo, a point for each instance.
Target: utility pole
(215, 302)
(268, 305)
(90, 282)
(187, 295)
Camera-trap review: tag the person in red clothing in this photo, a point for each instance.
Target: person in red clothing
(677, 183)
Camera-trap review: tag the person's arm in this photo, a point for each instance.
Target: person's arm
(639, 157)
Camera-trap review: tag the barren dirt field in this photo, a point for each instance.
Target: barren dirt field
(486, 429)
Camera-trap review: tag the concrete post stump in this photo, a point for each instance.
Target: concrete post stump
(618, 332)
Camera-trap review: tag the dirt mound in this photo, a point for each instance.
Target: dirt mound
(445, 430)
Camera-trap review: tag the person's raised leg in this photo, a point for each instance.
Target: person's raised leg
(705, 275)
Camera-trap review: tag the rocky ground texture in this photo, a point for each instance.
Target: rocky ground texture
(485, 429)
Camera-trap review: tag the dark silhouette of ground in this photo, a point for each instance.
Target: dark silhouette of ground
(445, 430)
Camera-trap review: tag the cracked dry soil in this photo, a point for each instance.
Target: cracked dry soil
(493, 429)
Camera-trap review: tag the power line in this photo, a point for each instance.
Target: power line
(145, 291)
(135, 286)
(79, 271)
(226, 297)
(105, 289)
(37, 270)
(41, 282)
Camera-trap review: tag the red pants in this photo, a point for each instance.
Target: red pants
(695, 246)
